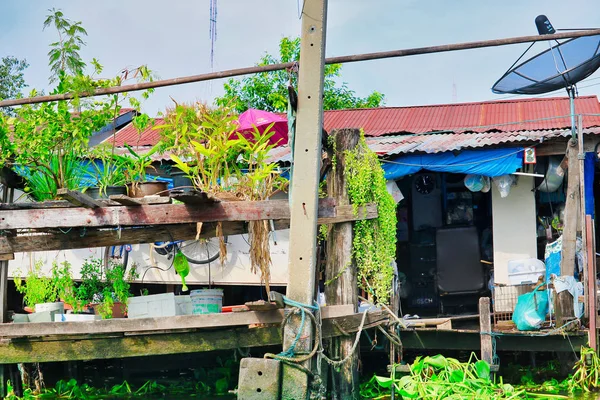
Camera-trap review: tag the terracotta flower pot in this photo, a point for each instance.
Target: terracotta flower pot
(119, 310)
(141, 189)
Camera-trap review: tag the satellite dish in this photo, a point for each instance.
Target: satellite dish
(561, 66)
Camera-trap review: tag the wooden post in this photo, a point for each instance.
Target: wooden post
(340, 271)
(582, 216)
(4, 300)
(305, 181)
(485, 329)
(563, 305)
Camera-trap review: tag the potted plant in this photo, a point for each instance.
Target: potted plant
(45, 293)
(135, 170)
(109, 172)
(205, 145)
(105, 290)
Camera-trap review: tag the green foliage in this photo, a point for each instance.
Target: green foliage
(201, 135)
(205, 146)
(439, 377)
(12, 80)
(45, 142)
(39, 289)
(268, 91)
(61, 171)
(208, 381)
(135, 167)
(103, 286)
(64, 55)
(374, 243)
(109, 167)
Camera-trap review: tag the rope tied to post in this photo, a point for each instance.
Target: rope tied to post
(289, 355)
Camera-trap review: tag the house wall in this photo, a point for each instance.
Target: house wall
(514, 226)
(235, 271)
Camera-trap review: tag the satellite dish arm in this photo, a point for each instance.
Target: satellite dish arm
(544, 26)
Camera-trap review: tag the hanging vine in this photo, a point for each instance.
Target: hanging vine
(374, 243)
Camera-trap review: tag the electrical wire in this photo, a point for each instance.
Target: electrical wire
(157, 267)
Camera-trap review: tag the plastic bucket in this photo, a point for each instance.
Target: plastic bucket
(207, 301)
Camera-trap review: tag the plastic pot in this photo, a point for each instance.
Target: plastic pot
(181, 181)
(94, 192)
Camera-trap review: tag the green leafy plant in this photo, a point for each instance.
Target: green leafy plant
(374, 243)
(39, 289)
(136, 166)
(109, 167)
(64, 54)
(103, 286)
(63, 171)
(204, 144)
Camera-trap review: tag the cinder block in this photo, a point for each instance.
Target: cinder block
(259, 379)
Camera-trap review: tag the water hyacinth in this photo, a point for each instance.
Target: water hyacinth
(439, 377)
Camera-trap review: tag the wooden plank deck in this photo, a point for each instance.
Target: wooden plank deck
(180, 339)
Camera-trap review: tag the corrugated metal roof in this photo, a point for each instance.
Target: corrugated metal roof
(438, 142)
(130, 135)
(499, 116)
(503, 115)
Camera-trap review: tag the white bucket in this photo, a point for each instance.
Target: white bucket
(55, 308)
(206, 301)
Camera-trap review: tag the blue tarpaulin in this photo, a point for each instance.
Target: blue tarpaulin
(495, 162)
(589, 168)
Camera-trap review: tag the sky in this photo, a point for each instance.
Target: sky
(172, 39)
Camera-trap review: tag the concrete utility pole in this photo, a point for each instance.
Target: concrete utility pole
(305, 181)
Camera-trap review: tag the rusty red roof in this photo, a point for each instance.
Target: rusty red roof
(489, 116)
(502, 115)
(130, 135)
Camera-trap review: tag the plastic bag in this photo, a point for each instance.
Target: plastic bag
(503, 183)
(553, 256)
(531, 310)
(474, 182)
(487, 184)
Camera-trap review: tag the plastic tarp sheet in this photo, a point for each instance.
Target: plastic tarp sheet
(590, 161)
(494, 162)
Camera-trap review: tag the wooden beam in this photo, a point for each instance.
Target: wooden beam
(77, 198)
(105, 346)
(563, 304)
(81, 238)
(121, 325)
(152, 214)
(139, 201)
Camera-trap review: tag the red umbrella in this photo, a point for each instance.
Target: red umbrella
(261, 120)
